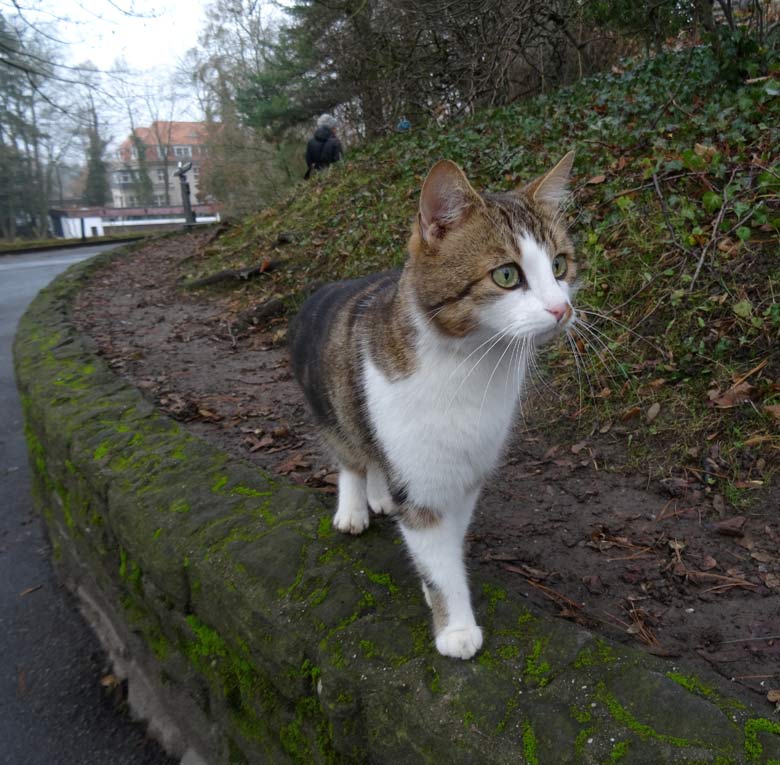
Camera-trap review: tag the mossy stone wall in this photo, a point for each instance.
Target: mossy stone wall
(260, 635)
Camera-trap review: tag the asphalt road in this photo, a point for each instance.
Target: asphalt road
(53, 709)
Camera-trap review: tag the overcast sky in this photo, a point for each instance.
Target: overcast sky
(150, 36)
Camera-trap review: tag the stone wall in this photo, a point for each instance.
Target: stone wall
(251, 632)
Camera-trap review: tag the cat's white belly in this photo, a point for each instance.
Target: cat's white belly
(441, 434)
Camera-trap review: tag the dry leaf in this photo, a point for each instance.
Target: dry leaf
(708, 563)
(629, 414)
(596, 179)
(731, 527)
(773, 410)
(704, 151)
(734, 396)
(109, 681)
(652, 412)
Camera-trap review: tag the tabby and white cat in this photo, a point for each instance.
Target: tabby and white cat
(414, 377)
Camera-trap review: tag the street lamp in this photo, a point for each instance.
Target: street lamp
(189, 215)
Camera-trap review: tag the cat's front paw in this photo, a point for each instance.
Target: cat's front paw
(459, 642)
(351, 520)
(380, 499)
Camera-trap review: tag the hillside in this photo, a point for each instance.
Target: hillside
(676, 214)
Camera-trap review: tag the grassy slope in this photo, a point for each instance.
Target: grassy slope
(715, 155)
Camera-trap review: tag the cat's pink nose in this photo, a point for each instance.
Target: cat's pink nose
(560, 311)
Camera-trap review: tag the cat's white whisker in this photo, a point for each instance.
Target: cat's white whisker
(498, 339)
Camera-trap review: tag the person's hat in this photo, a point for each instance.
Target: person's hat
(326, 120)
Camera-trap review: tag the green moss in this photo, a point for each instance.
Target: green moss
(580, 714)
(582, 739)
(509, 651)
(246, 491)
(493, 595)
(511, 705)
(179, 506)
(383, 579)
(101, 451)
(325, 528)
(644, 731)
(753, 748)
(535, 669)
(529, 744)
(694, 685)
(317, 596)
(435, 682)
(596, 655)
(619, 751)
(219, 484)
(122, 562)
(369, 648)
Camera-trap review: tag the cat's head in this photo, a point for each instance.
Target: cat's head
(493, 262)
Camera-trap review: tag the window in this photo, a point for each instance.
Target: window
(159, 199)
(132, 200)
(160, 175)
(182, 151)
(123, 178)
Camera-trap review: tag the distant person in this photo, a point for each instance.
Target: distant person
(324, 148)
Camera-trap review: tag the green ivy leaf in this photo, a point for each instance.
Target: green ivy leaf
(743, 309)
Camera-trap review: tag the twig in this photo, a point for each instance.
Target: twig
(714, 236)
(751, 640)
(665, 212)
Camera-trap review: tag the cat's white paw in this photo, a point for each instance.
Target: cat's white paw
(351, 511)
(382, 504)
(351, 519)
(459, 642)
(379, 498)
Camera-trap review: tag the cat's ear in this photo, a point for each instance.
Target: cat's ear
(550, 188)
(446, 200)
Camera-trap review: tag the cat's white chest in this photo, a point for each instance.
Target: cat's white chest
(443, 428)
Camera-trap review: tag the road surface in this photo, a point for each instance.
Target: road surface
(53, 709)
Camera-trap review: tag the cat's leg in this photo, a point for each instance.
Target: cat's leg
(436, 544)
(352, 510)
(379, 498)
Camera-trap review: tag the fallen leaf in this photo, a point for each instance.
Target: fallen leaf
(734, 396)
(594, 584)
(763, 557)
(296, 461)
(27, 591)
(577, 448)
(708, 563)
(652, 412)
(773, 410)
(772, 581)
(629, 414)
(731, 527)
(702, 150)
(596, 179)
(109, 681)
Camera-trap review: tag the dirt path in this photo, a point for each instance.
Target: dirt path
(642, 560)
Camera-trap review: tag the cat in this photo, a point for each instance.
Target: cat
(414, 377)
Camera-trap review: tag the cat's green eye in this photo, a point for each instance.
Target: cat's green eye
(559, 266)
(507, 276)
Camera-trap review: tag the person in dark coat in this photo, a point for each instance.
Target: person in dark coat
(324, 148)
